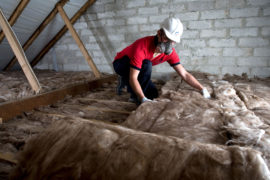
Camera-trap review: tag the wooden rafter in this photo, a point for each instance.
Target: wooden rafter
(48, 46)
(14, 16)
(11, 109)
(40, 28)
(18, 51)
(78, 41)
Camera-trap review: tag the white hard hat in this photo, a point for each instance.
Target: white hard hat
(173, 28)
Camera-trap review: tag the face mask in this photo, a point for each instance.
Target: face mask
(165, 47)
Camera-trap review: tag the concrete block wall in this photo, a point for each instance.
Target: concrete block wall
(220, 36)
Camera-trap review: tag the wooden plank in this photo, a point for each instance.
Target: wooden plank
(48, 46)
(14, 16)
(79, 42)
(11, 109)
(18, 51)
(9, 157)
(36, 33)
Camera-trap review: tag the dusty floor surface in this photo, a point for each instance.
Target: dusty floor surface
(238, 115)
(102, 104)
(14, 85)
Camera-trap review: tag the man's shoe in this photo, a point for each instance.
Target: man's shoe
(120, 85)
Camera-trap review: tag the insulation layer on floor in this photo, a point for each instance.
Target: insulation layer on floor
(102, 104)
(14, 85)
(238, 113)
(179, 136)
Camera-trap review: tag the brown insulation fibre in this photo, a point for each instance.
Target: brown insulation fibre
(14, 85)
(238, 113)
(185, 117)
(80, 149)
(15, 132)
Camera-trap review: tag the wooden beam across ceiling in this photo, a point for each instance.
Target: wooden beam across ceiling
(11, 109)
(79, 42)
(36, 33)
(18, 51)
(48, 46)
(14, 16)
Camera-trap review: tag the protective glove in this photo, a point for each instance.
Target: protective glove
(205, 93)
(145, 99)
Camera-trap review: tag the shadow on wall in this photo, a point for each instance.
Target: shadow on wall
(97, 33)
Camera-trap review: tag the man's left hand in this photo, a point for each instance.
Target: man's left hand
(205, 93)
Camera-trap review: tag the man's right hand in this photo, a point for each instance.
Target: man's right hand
(145, 99)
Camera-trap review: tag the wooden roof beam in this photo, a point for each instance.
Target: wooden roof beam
(78, 41)
(32, 38)
(18, 51)
(48, 46)
(14, 16)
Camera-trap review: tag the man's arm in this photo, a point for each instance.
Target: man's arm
(191, 80)
(134, 83)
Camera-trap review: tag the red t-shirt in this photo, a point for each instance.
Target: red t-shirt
(144, 48)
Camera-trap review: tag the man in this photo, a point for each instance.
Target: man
(134, 63)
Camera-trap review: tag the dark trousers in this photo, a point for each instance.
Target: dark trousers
(122, 67)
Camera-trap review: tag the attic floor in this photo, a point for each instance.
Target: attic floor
(101, 104)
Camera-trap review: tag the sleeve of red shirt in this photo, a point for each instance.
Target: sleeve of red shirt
(138, 54)
(174, 58)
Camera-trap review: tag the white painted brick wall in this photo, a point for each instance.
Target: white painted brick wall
(194, 43)
(243, 32)
(191, 34)
(225, 23)
(266, 31)
(132, 4)
(266, 11)
(221, 61)
(208, 52)
(137, 20)
(213, 14)
(260, 71)
(265, 52)
(258, 2)
(237, 52)
(222, 42)
(253, 42)
(188, 16)
(153, 10)
(251, 61)
(246, 12)
(172, 8)
(220, 36)
(258, 21)
(199, 5)
(200, 24)
(213, 33)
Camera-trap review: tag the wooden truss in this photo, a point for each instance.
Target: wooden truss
(18, 51)
(16, 13)
(58, 8)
